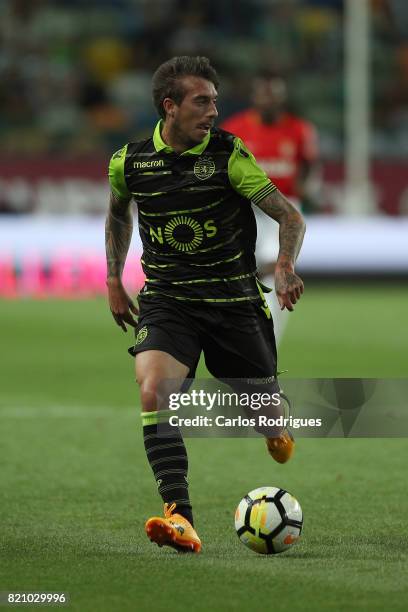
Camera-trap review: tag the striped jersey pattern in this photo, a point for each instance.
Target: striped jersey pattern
(195, 218)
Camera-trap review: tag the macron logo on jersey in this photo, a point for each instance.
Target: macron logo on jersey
(156, 163)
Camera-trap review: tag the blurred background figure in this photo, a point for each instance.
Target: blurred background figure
(284, 144)
(286, 148)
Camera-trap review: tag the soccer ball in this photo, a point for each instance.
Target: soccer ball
(268, 520)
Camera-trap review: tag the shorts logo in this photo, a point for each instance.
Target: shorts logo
(142, 335)
(204, 168)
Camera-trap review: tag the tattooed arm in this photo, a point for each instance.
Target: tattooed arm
(288, 285)
(118, 234)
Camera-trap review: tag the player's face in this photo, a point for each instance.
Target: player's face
(269, 96)
(192, 119)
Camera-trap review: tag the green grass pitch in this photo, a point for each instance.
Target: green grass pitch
(76, 487)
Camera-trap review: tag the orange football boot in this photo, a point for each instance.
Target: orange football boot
(281, 448)
(173, 530)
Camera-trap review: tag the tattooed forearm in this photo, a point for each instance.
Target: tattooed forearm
(291, 226)
(118, 234)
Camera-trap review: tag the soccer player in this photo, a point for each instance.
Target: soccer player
(193, 185)
(286, 148)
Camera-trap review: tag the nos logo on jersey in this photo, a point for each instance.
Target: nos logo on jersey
(204, 167)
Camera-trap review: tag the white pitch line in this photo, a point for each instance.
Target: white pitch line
(66, 411)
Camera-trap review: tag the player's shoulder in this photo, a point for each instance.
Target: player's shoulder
(133, 147)
(146, 144)
(222, 139)
(227, 142)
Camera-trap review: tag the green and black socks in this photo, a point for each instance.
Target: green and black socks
(168, 459)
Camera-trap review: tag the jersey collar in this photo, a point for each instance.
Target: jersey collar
(161, 146)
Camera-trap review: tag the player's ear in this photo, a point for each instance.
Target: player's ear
(169, 107)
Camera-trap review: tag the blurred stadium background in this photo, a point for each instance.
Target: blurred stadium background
(74, 87)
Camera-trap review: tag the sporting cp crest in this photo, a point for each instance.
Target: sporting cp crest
(142, 335)
(204, 168)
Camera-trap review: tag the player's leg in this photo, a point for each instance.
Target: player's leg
(167, 350)
(165, 450)
(243, 347)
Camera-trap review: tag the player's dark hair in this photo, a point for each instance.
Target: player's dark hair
(167, 80)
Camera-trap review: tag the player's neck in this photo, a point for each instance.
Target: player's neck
(174, 139)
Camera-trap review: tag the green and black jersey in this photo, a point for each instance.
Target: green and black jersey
(195, 217)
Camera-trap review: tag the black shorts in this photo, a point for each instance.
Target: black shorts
(238, 341)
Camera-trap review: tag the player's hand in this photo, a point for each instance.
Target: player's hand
(121, 305)
(288, 286)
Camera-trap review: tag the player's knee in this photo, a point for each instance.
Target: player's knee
(149, 395)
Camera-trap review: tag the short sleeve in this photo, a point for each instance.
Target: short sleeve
(117, 174)
(245, 176)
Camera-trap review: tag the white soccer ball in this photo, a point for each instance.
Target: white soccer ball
(268, 520)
